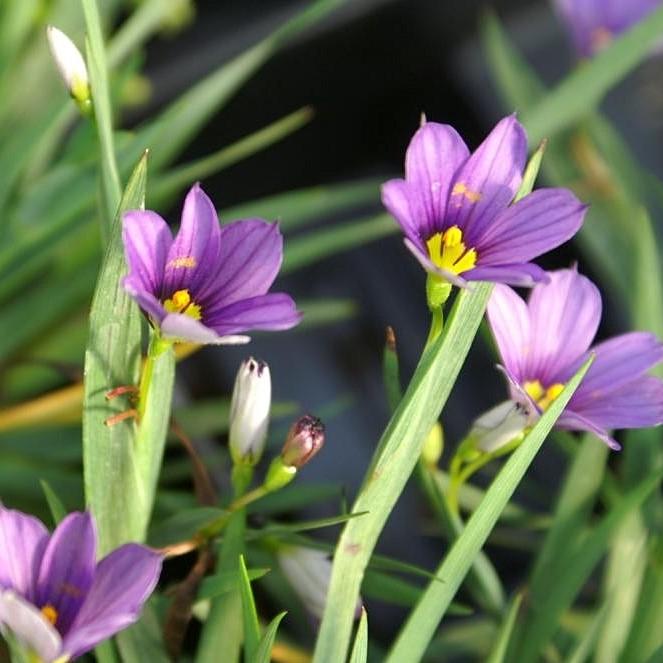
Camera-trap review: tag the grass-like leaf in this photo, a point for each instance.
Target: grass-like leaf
(422, 622)
(398, 452)
(359, 652)
(249, 613)
(112, 358)
(264, 653)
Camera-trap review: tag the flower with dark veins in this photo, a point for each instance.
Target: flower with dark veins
(210, 282)
(56, 601)
(544, 341)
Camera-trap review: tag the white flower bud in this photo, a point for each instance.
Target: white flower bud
(309, 571)
(70, 64)
(499, 426)
(249, 411)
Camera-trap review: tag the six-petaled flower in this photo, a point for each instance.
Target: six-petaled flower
(543, 342)
(210, 282)
(55, 599)
(456, 211)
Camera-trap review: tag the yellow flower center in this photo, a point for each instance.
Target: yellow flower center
(50, 613)
(541, 396)
(180, 302)
(448, 251)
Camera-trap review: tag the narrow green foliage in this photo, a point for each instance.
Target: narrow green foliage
(98, 72)
(58, 511)
(531, 173)
(498, 655)
(539, 626)
(583, 89)
(398, 452)
(112, 359)
(422, 622)
(323, 243)
(390, 373)
(264, 653)
(583, 649)
(249, 613)
(143, 641)
(221, 583)
(171, 183)
(359, 652)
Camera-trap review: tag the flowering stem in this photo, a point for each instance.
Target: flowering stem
(436, 325)
(156, 348)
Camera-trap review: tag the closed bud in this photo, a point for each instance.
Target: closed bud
(497, 427)
(305, 438)
(249, 412)
(433, 446)
(70, 64)
(309, 571)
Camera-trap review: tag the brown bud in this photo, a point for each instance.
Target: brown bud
(305, 438)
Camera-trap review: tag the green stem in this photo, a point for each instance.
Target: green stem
(157, 347)
(436, 325)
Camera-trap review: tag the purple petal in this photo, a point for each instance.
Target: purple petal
(534, 225)
(508, 317)
(124, 580)
(488, 180)
(433, 156)
(570, 420)
(564, 317)
(147, 239)
(618, 361)
(636, 404)
(405, 203)
(67, 568)
(249, 260)
(146, 300)
(29, 627)
(525, 275)
(23, 540)
(195, 252)
(273, 311)
(180, 327)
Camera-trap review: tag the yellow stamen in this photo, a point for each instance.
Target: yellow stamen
(50, 613)
(461, 189)
(182, 262)
(541, 396)
(181, 302)
(448, 251)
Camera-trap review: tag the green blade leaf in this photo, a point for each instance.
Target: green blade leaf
(224, 582)
(54, 503)
(359, 652)
(398, 452)
(585, 88)
(112, 358)
(423, 621)
(98, 72)
(249, 613)
(498, 655)
(264, 653)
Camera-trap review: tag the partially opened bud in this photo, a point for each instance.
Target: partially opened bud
(499, 426)
(249, 411)
(305, 438)
(70, 64)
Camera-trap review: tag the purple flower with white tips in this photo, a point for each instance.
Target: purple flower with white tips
(210, 282)
(593, 24)
(55, 599)
(456, 209)
(544, 341)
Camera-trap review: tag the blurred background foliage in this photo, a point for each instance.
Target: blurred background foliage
(297, 111)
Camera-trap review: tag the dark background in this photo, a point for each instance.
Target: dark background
(369, 70)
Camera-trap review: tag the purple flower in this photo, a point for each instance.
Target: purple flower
(455, 207)
(55, 598)
(593, 24)
(543, 342)
(209, 282)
